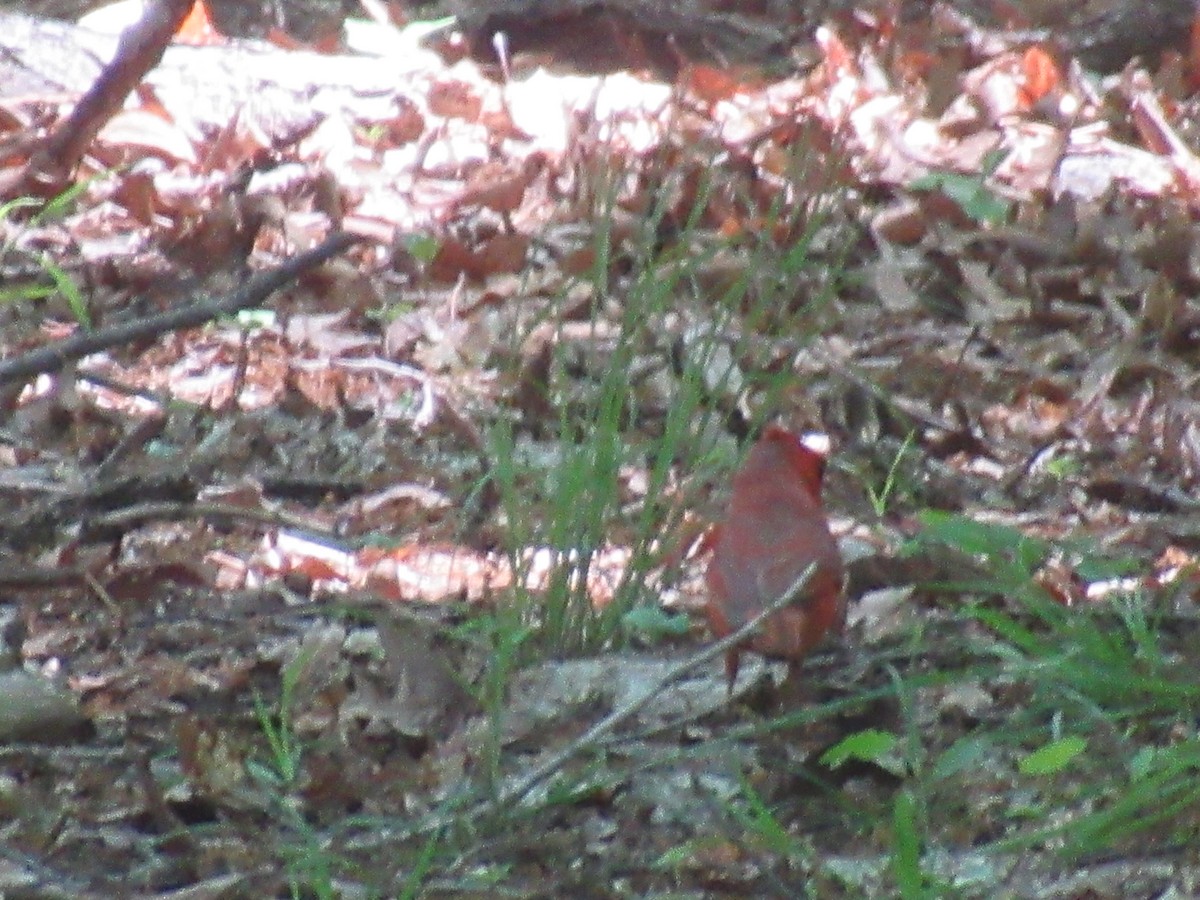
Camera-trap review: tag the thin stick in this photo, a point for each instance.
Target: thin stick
(593, 735)
(258, 288)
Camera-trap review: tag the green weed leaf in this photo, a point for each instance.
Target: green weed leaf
(653, 623)
(1053, 757)
(871, 745)
(969, 192)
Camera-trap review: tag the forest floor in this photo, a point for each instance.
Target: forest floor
(378, 583)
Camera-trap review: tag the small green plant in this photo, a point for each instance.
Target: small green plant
(285, 751)
(763, 827)
(1063, 467)
(881, 497)
(420, 867)
(906, 848)
(872, 745)
(505, 634)
(653, 624)
(566, 499)
(309, 865)
(1100, 669)
(1052, 758)
(60, 281)
(970, 192)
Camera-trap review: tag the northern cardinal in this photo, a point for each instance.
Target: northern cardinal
(774, 528)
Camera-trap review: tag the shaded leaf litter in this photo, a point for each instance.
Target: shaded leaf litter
(281, 572)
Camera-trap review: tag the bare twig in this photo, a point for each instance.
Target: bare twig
(593, 735)
(21, 576)
(140, 48)
(53, 357)
(142, 513)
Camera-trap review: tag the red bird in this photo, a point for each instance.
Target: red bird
(774, 528)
